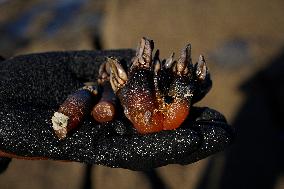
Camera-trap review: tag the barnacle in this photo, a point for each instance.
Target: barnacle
(157, 95)
(105, 109)
(73, 110)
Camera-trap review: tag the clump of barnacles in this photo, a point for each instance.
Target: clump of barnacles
(155, 94)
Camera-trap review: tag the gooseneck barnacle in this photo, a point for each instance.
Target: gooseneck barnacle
(150, 103)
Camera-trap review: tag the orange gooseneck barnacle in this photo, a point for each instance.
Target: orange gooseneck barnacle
(145, 90)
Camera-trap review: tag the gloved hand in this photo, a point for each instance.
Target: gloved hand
(32, 87)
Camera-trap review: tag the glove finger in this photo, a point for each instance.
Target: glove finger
(215, 134)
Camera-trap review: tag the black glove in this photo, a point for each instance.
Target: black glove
(32, 87)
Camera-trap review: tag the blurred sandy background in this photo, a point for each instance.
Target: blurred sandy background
(238, 38)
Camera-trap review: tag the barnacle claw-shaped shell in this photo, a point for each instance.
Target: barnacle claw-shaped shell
(143, 57)
(203, 80)
(184, 64)
(118, 76)
(201, 68)
(169, 61)
(104, 73)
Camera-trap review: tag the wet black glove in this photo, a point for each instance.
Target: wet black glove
(32, 87)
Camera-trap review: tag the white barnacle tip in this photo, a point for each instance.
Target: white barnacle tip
(59, 121)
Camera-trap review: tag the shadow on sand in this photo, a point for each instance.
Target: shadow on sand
(256, 159)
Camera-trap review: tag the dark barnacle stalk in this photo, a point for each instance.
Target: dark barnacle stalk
(105, 109)
(73, 110)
